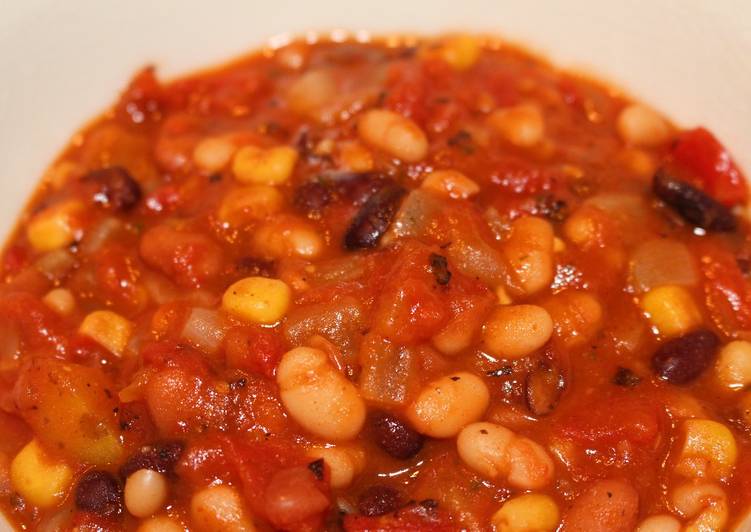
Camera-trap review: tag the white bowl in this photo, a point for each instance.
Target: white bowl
(61, 63)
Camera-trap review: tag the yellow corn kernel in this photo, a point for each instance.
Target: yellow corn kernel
(671, 310)
(527, 513)
(356, 157)
(461, 51)
(40, 479)
(60, 300)
(709, 450)
(55, 227)
(257, 299)
(108, 329)
(733, 367)
(246, 204)
(451, 183)
(271, 166)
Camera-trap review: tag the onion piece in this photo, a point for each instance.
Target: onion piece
(205, 330)
(56, 264)
(96, 237)
(662, 261)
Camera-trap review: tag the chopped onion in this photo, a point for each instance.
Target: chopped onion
(389, 372)
(339, 321)
(662, 261)
(96, 237)
(204, 329)
(56, 264)
(467, 250)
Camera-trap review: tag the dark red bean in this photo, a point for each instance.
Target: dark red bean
(160, 457)
(99, 492)
(693, 205)
(543, 388)
(439, 266)
(683, 359)
(394, 436)
(626, 378)
(374, 218)
(114, 188)
(311, 198)
(358, 187)
(379, 500)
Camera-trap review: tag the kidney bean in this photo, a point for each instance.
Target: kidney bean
(374, 218)
(160, 457)
(692, 204)
(99, 492)
(395, 437)
(310, 198)
(115, 188)
(543, 388)
(379, 500)
(683, 359)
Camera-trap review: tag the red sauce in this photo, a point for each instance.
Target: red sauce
(363, 286)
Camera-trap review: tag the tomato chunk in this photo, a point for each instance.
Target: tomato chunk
(613, 419)
(727, 292)
(699, 152)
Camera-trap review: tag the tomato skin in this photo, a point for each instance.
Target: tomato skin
(254, 349)
(699, 152)
(411, 306)
(610, 420)
(418, 517)
(261, 465)
(118, 274)
(727, 292)
(37, 323)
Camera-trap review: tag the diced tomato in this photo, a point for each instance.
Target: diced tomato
(406, 91)
(15, 259)
(204, 461)
(190, 258)
(259, 465)
(118, 276)
(699, 152)
(727, 292)
(608, 420)
(415, 517)
(412, 306)
(520, 177)
(37, 324)
(164, 199)
(254, 349)
(142, 100)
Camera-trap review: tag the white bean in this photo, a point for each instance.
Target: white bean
(529, 254)
(734, 365)
(318, 396)
(394, 134)
(702, 501)
(659, 523)
(641, 126)
(446, 405)
(522, 125)
(219, 508)
(145, 492)
(516, 330)
(498, 453)
(345, 462)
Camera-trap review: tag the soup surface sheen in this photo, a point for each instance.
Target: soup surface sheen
(396, 285)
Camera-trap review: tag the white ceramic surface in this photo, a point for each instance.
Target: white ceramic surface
(62, 62)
